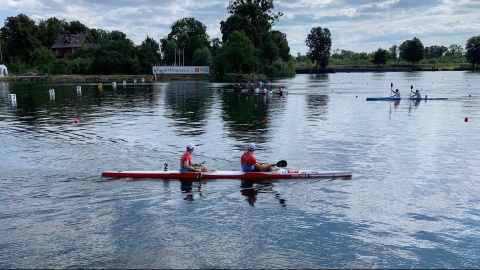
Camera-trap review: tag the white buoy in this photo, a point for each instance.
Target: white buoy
(79, 90)
(12, 99)
(134, 80)
(143, 80)
(52, 94)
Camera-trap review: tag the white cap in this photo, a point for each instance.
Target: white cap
(190, 146)
(252, 146)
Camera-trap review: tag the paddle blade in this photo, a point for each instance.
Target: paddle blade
(282, 163)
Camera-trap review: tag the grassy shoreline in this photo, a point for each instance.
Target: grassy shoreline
(149, 78)
(143, 78)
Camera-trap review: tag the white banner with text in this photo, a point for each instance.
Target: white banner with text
(181, 70)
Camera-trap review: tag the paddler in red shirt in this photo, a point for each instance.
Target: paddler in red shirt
(250, 164)
(186, 164)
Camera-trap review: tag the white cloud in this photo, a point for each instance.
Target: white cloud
(357, 25)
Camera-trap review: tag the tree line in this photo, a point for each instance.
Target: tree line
(248, 45)
(412, 51)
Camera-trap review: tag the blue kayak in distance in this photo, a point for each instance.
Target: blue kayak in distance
(397, 98)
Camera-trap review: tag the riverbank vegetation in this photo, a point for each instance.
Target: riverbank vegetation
(248, 45)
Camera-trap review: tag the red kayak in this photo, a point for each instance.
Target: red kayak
(278, 174)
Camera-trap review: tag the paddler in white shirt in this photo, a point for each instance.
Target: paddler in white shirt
(417, 94)
(396, 94)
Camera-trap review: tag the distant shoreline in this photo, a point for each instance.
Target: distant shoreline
(144, 78)
(348, 70)
(148, 78)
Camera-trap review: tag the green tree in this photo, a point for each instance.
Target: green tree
(301, 58)
(16, 64)
(275, 50)
(455, 50)
(50, 29)
(435, 51)
(280, 39)
(76, 27)
(255, 19)
(473, 50)
(265, 6)
(238, 55)
(44, 59)
(215, 44)
(96, 34)
(319, 43)
(234, 23)
(380, 57)
(117, 54)
(169, 51)
(394, 53)
(202, 57)
(20, 34)
(270, 51)
(249, 18)
(148, 55)
(189, 35)
(2, 47)
(412, 50)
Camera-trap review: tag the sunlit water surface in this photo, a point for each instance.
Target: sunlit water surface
(413, 200)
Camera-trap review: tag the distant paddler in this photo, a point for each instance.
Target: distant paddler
(396, 93)
(416, 94)
(279, 91)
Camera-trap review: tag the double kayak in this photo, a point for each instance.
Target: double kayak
(278, 174)
(397, 98)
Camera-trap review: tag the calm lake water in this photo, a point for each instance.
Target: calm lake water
(413, 200)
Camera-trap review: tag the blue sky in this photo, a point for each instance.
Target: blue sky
(356, 25)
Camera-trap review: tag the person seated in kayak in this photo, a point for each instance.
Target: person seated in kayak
(396, 94)
(250, 164)
(249, 86)
(417, 94)
(279, 91)
(237, 86)
(186, 164)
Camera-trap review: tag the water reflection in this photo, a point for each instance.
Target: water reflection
(39, 102)
(319, 80)
(187, 189)
(317, 106)
(415, 104)
(251, 189)
(382, 218)
(243, 113)
(188, 103)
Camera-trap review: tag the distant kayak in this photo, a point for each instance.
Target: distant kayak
(397, 98)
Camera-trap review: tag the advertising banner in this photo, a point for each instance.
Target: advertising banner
(181, 70)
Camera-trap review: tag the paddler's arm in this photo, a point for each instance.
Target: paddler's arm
(190, 168)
